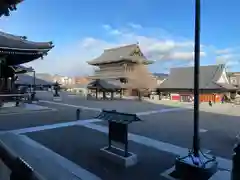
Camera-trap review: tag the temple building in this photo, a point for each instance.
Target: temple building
(214, 83)
(123, 67)
(8, 5)
(234, 78)
(16, 50)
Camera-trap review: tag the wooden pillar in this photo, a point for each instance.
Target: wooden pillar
(104, 95)
(5, 83)
(112, 95)
(96, 93)
(12, 83)
(121, 93)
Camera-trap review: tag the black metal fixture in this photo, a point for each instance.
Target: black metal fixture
(118, 129)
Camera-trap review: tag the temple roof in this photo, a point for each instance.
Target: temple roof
(183, 78)
(131, 53)
(22, 69)
(8, 5)
(104, 85)
(13, 42)
(18, 50)
(25, 79)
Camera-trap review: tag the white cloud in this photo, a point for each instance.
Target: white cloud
(229, 60)
(187, 56)
(71, 60)
(157, 48)
(111, 30)
(135, 26)
(107, 27)
(224, 51)
(224, 58)
(228, 56)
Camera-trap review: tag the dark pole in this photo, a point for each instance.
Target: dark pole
(196, 140)
(194, 166)
(34, 81)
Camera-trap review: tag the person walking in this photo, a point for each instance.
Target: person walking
(222, 100)
(210, 103)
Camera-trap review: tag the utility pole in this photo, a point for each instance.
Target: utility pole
(196, 140)
(196, 165)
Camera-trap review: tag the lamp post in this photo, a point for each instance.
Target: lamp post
(196, 165)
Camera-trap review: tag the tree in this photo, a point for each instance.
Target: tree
(141, 80)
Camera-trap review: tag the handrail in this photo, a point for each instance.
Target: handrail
(19, 168)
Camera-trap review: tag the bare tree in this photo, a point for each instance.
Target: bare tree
(141, 80)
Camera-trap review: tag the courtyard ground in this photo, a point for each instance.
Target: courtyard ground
(164, 133)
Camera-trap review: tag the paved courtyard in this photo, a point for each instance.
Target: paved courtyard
(131, 106)
(164, 133)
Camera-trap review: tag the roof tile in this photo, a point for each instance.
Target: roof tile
(183, 78)
(118, 54)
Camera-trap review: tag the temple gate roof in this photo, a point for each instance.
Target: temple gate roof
(128, 53)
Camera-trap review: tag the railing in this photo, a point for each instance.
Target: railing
(14, 98)
(18, 167)
(107, 75)
(114, 71)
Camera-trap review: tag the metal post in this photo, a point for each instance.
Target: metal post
(109, 137)
(126, 141)
(196, 165)
(78, 114)
(196, 140)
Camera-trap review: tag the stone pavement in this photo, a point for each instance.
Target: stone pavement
(131, 106)
(24, 108)
(226, 108)
(155, 157)
(86, 153)
(165, 135)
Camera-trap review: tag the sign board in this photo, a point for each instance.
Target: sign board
(118, 132)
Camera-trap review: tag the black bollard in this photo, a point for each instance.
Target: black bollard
(78, 114)
(236, 163)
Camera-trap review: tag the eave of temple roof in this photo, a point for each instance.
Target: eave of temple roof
(18, 50)
(130, 53)
(8, 5)
(17, 59)
(19, 69)
(19, 44)
(25, 79)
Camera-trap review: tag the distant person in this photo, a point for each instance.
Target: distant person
(222, 100)
(210, 103)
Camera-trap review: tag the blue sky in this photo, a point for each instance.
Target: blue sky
(81, 29)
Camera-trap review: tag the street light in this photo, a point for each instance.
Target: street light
(196, 165)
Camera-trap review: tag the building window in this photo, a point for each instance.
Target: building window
(233, 81)
(159, 82)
